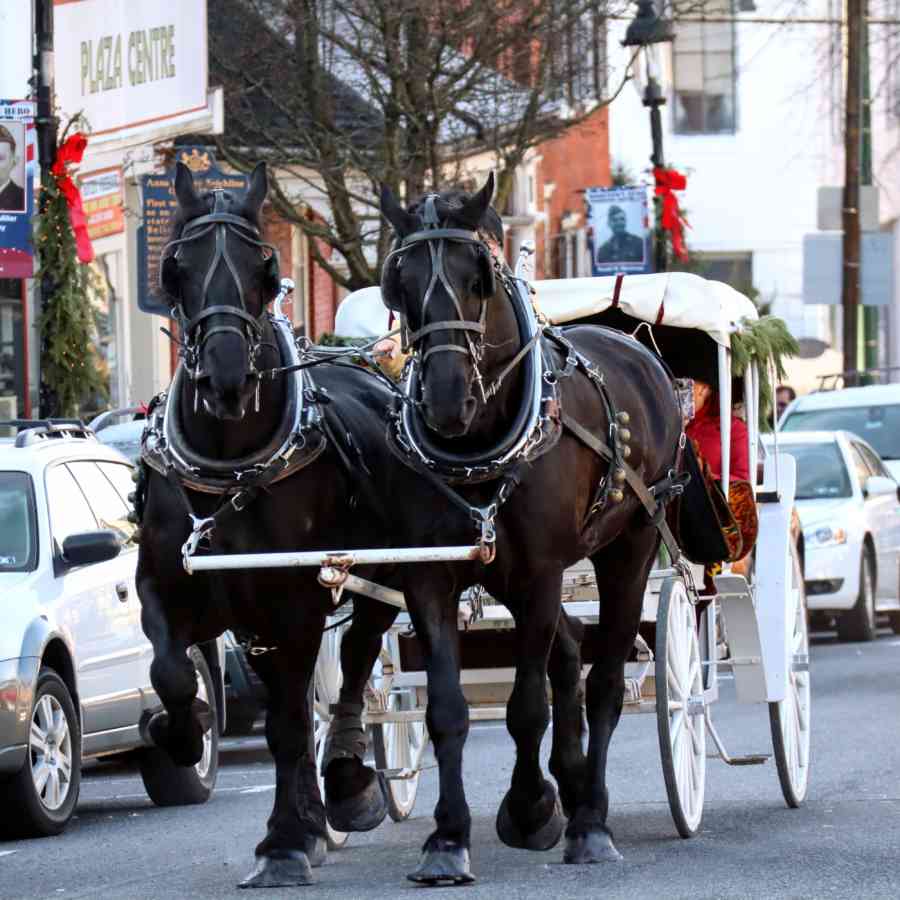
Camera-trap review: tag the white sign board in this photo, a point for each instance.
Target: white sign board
(126, 63)
(830, 208)
(15, 57)
(822, 268)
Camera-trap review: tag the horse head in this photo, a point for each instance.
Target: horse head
(220, 276)
(440, 278)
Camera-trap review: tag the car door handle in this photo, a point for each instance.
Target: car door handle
(122, 591)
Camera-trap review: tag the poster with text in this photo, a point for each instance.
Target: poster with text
(618, 230)
(17, 166)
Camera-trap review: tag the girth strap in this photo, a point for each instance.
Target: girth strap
(649, 501)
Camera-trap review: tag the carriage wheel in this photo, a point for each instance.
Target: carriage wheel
(790, 718)
(679, 706)
(328, 680)
(400, 745)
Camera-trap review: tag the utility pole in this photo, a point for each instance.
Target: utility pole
(869, 313)
(850, 280)
(46, 127)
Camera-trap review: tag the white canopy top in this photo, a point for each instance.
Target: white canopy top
(678, 299)
(671, 298)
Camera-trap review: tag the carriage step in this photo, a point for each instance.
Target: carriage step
(752, 759)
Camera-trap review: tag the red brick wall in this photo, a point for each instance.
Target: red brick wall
(576, 160)
(322, 296)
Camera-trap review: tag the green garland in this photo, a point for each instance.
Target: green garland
(768, 341)
(69, 362)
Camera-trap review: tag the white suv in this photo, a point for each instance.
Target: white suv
(74, 661)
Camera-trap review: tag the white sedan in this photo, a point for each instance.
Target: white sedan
(849, 507)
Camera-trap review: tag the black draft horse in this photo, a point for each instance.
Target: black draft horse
(353, 493)
(461, 323)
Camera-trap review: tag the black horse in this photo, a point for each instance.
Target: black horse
(471, 386)
(253, 463)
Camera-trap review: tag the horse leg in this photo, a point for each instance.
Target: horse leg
(567, 759)
(622, 568)
(445, 854)
(179, 728)
(355, 796)
(295, 839)
(530, 816)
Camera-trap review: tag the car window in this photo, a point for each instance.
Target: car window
(876, 466)
(109, 508)
(120, 476)
(821, 471)
(69, 511)
(860, 466)
(18, 531)
(877, 425)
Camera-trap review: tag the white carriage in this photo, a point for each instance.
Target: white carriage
(755, 629)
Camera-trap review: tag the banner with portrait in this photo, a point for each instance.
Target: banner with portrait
(17, 166)
(618, 230)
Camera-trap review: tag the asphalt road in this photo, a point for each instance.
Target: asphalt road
(845, 843)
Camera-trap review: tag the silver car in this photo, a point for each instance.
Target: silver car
(74, 661)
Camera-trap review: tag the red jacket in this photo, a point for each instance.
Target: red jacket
(704, 429)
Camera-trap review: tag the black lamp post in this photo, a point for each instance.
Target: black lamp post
(645, 31)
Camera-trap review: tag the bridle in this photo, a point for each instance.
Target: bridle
(435, 238)
(194, 334)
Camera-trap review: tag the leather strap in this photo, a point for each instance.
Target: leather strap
(634, 482)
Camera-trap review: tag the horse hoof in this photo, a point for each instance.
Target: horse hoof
(595, 847)
(361, 812)
(316, 850)
(447, 866)
(285, 868)
(544, 838)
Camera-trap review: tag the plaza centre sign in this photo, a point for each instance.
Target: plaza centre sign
(127, 63)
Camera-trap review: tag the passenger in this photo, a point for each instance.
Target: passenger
(705, 432)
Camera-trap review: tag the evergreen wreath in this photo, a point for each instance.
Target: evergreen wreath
(69, 360)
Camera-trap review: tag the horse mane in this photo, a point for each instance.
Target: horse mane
(453, 199)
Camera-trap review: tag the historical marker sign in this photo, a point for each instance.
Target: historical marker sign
(160, 206)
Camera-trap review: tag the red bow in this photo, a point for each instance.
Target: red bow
(667, 181)
(72, 151)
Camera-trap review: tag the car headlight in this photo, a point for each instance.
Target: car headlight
(824, 536)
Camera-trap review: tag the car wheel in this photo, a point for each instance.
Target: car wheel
(858, 624)
(39, 799)
(169, 784)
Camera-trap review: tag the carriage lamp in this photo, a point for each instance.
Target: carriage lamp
(646, 32)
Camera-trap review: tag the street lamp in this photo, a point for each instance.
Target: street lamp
(646, 31)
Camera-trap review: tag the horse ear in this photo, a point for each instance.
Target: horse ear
(256, 190)
(402, 222)
(473, 210)
(184, 186)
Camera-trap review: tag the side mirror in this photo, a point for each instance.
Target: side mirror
(879, 485)
(90, 547)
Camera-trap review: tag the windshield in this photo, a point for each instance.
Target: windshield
(879, 425)
(18, 540)
(821, 473)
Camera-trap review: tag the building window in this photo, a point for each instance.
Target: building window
(13, 382)
(735, 269)
(704, 74)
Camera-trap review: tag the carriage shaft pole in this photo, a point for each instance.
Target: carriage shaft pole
(339, 558)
